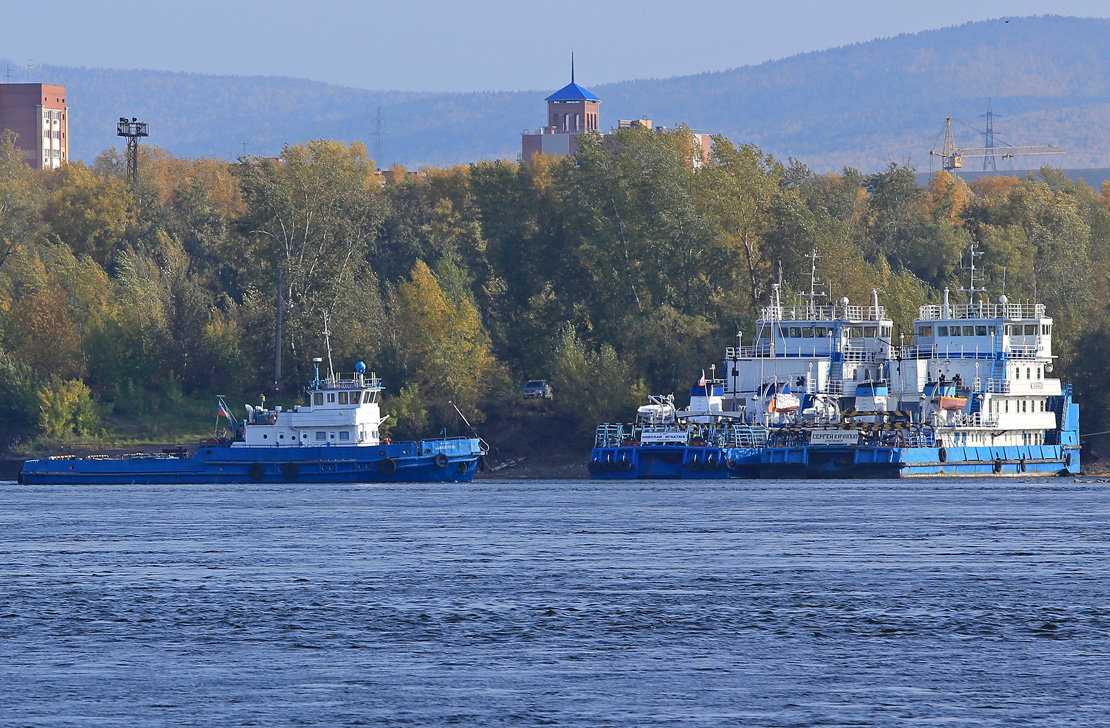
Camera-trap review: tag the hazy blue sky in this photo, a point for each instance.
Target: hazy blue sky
(468, 46)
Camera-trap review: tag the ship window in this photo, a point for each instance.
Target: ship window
(344, 435)
(969, 331)
(954, 331)
(807, 332)
(331, 397)
(1030, 329)
(924, 330)
(1044, 329)
(857, 332)
(765, 332)
(342, 398)
(1028, 374)
(317, 398)
(887, 331)
(942, 331)
(1023, 405)
(355, 396)
(871, 331)
(821, 332)
(321, 436)
(795, 332)
(980, 330)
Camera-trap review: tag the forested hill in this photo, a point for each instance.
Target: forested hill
(858, 106)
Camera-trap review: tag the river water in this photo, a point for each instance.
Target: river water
(567, 603)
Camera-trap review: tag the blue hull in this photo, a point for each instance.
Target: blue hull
(807, 461)
(673, 462)
(423, 461)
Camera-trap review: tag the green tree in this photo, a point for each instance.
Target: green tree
(444, 342)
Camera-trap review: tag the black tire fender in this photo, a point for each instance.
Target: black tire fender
(624, 464)
(711, 463)
(595, 466)
(388, 466)
(943, 454)
(441, 460)
(290, 471)
(257, 472)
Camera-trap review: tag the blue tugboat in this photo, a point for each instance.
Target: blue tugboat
(333, 438)
(824, 393)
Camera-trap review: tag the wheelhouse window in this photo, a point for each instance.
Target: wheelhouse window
(321, 435)
(344, 435)
(924, 330)
(980, 330)
(942, 331)
(342, 398)
(870, 332)
(317, 398)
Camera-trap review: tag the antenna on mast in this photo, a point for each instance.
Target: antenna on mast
(327, 345)
(814, 284)
(974, 276)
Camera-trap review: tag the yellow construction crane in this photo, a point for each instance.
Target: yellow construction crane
(952, 157)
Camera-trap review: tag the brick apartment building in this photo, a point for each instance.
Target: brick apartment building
(36, 112)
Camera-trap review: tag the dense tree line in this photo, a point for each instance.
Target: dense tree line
(624, 270)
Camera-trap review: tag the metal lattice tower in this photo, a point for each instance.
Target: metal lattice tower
(988, 140)
(379, 135)
(132, 130)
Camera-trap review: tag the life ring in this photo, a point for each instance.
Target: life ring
(386, 441)
(272, 418)
(441, 460)
(943, 454)
(711, 463)
(998, 465)
(290, 471)
(624, 464)
(388, 466)
(594, 466)
(257, 472)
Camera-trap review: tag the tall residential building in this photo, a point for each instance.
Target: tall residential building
(36, 112)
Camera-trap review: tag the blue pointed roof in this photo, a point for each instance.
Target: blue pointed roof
(572, 92)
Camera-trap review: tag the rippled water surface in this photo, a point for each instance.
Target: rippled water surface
(565, 603)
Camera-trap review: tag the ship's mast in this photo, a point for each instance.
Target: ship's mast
(814, 284)
(974, 276)
(327, 344)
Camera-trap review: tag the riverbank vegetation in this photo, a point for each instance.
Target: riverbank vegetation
(622, 271)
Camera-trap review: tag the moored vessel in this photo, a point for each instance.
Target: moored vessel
(831, 396)
(333, 437)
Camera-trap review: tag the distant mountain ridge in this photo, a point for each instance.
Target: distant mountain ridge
(863, 105)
